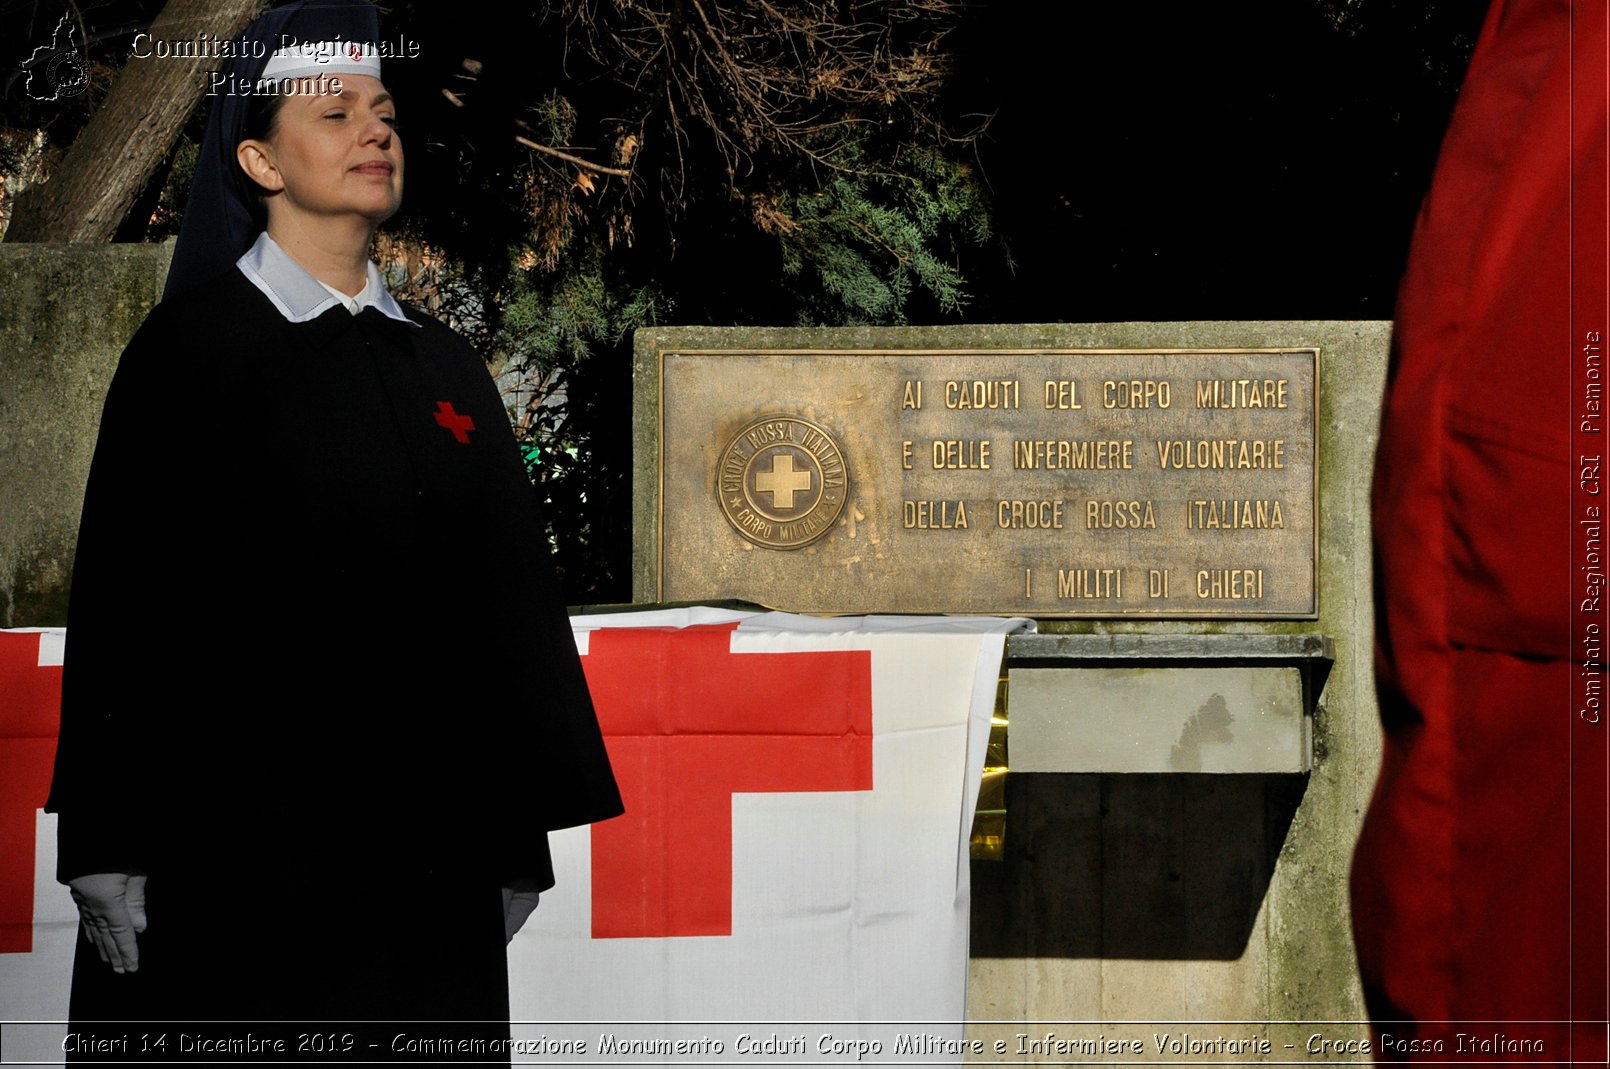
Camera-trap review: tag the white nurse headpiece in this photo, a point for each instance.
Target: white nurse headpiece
(304, 59)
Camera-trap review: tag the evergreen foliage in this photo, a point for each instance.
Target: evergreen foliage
(859, 243)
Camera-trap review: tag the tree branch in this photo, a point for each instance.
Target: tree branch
(116, 153)
(568, 158)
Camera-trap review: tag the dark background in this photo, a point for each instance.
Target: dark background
(1206, 161)
(1144, 161)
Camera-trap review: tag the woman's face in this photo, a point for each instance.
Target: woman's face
(331, 154)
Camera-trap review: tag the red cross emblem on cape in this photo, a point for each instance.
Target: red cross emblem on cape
(461, 426)
(689, 723)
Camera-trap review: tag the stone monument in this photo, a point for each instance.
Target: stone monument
(1183, 508)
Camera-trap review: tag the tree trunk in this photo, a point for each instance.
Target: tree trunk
(128, 136)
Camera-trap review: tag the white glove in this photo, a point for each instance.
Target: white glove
(111, 909)
(518, 904)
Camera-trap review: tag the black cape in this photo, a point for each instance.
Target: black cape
(315, 651)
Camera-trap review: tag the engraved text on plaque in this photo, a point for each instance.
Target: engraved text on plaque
(1046, 483)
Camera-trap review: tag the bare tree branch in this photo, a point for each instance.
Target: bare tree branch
(568, 158)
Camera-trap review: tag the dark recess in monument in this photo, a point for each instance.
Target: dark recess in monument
(1147, 867)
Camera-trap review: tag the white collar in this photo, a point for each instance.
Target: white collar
(299, 296)
(364, 299)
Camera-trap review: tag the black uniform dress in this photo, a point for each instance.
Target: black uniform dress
(319, 683)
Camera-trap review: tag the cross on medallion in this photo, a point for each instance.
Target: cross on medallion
(450, 419)
(782, 483)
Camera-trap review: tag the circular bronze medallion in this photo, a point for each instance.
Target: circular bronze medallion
(782, 482)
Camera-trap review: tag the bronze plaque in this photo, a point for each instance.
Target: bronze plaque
(1096, 483)
(782, 482)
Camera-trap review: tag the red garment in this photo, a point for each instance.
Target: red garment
(1461, 885)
